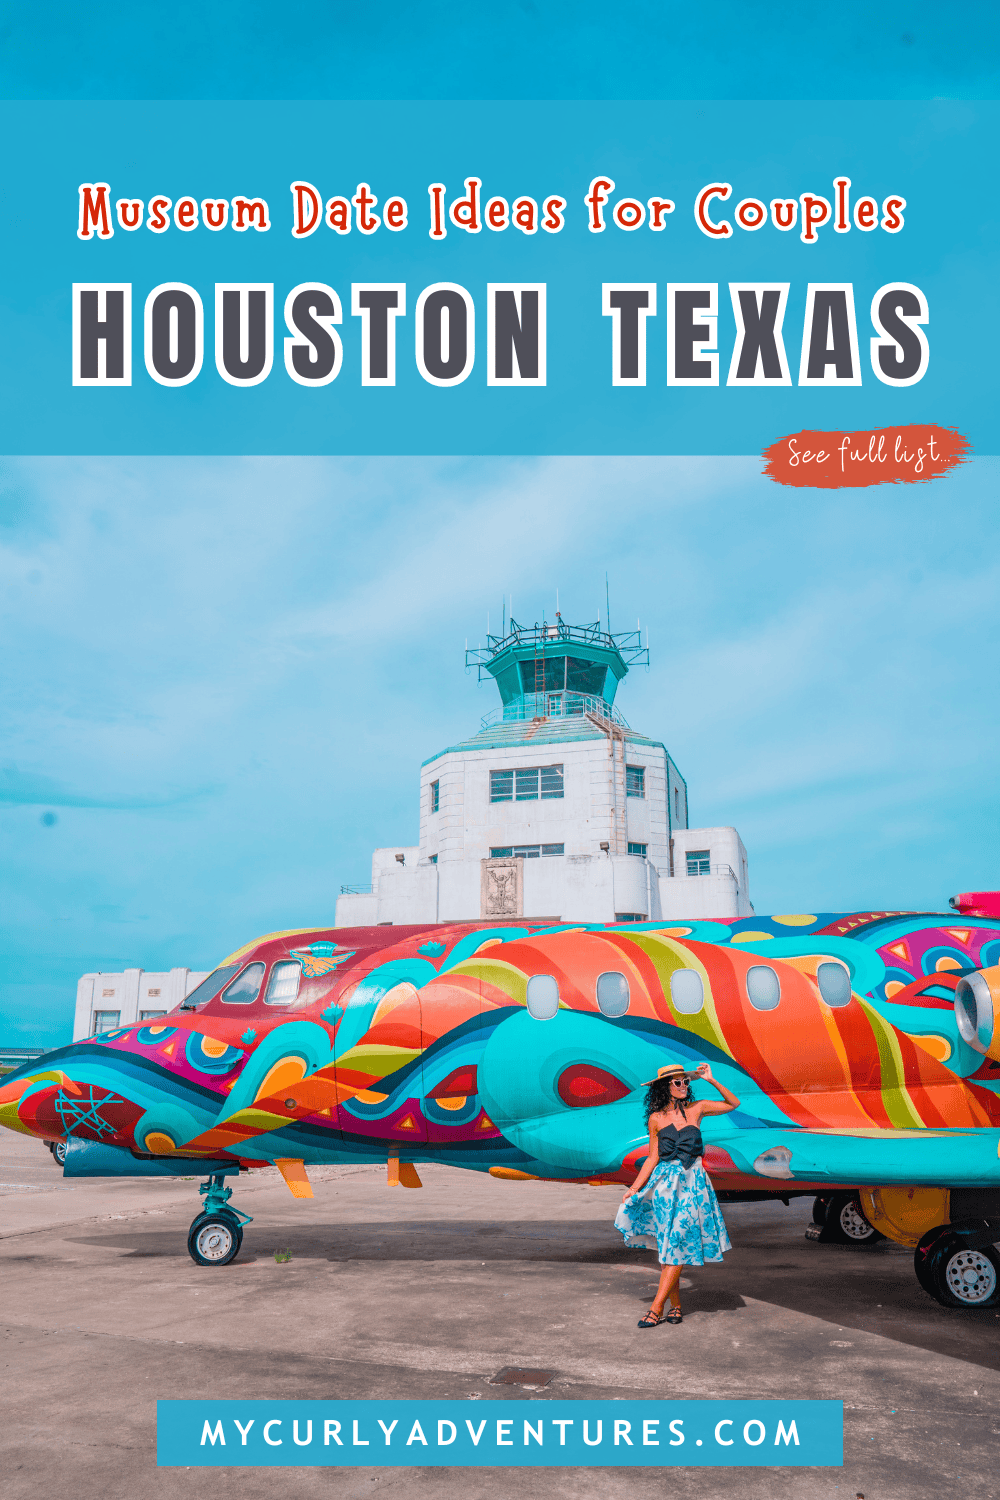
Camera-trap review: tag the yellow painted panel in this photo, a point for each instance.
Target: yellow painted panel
(904, 1214)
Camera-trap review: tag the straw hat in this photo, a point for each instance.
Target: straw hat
(672, 1070)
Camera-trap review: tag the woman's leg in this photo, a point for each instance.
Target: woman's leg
(669, 1281)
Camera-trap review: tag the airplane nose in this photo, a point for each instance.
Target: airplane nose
(53, 1098)
(976, 998)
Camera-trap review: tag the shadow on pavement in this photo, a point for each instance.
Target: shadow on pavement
(868, 1290)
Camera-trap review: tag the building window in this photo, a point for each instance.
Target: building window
(635, 781)
(699, 862)
(552, 782)
(528, 851)
(434, 859)
(435, 796)
(151, 1015)
(284, 983)
(105, 1020)
(501, 786)
(639, 849)
(677, 803)
(630, 916)
(527, 784)
(245, 989)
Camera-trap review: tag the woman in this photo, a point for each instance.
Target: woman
(671, 1207)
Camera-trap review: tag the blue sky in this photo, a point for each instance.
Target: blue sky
(501, 49)
(221, 676)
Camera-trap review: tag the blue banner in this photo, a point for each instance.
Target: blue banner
(492, 277)
(519, 1434)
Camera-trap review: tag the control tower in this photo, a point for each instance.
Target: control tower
(555, 809)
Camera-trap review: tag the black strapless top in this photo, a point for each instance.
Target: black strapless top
(683, 1145)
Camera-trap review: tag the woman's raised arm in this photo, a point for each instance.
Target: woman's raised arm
(711, 1106)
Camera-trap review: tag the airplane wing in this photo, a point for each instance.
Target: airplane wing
(854, 1157)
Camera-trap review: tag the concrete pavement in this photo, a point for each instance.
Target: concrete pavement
(402, 1293)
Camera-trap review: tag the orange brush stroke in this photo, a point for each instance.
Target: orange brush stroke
(882, 455)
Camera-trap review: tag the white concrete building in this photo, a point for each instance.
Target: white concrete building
(106, 1001)
(556, 808)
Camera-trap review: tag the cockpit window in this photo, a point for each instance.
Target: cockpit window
(283, 985)
(245, 989)
(612, 994)
(834, 983)
(543, 997)
(210, 987)
(763, 987)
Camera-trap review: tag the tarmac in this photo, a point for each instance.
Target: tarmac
(398, 1293)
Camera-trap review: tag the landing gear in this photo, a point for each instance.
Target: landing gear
(216, 1235)
(58, 1149)
(956, 1270)
(839, 1219)
(215, 1239)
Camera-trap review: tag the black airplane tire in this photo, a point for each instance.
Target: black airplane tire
(58, 1149)
(820, 1206)
(215, 1239)
(846, 1224)
(921, 1257)
(961, 1278)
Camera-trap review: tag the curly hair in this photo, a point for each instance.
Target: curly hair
(658, 1096)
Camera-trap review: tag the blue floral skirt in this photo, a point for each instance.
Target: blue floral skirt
(676, 1214)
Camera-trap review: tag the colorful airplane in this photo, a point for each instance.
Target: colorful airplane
(863, 1049)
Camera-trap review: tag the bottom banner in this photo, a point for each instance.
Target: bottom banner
(547, 1433)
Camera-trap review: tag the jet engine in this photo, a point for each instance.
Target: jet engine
(977, 1000)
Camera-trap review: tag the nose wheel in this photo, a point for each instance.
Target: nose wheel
(216, 1235)
(215, 1239)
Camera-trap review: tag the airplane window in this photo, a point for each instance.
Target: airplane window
(687, 991)
(543, 997)
(612, 994)
(834, 983)
(284, 983)
(245, 989)
(209, 988)
(763, 987)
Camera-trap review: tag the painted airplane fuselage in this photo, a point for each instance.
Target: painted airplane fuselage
(427, 1045)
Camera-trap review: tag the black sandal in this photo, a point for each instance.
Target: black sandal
(674, 1316)
(651, 1320)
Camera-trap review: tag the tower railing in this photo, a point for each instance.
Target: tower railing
(562, 705)
(555, 636)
